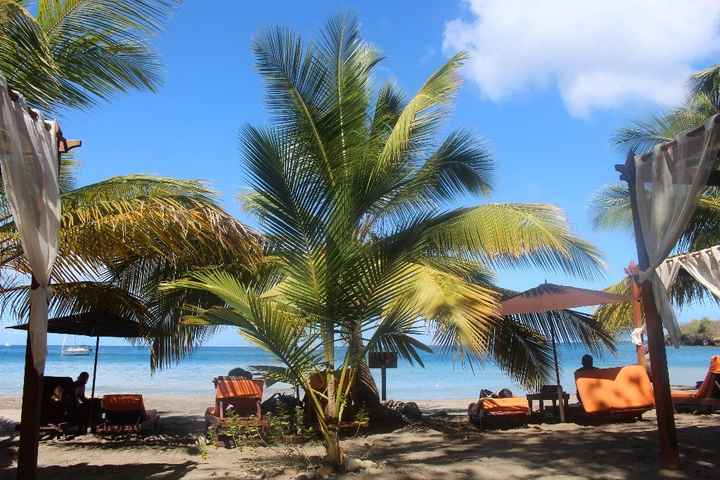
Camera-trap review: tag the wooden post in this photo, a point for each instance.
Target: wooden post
(30, 414)
(656, 339)
(632, 271)
(383, 376)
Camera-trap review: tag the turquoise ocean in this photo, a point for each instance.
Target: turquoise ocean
(125, 369)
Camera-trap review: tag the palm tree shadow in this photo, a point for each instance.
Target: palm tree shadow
(166, 471)
(590, 452)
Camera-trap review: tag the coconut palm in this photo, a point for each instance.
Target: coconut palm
(70, 53)
(354, 197)
(121, 237)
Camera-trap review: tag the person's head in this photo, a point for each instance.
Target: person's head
(587, 361)
(505, 393)
(83, 377)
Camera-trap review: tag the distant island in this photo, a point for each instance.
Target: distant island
(701, 332)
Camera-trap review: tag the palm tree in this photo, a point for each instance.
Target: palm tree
(70, 53)
(611, 206)
(353, 195)
(121, 237)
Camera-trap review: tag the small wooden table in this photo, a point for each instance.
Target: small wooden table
(542, 396)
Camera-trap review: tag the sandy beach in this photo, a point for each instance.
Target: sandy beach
(442, 446)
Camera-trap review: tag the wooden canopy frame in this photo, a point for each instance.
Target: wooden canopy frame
(32, 384)
(656, 337)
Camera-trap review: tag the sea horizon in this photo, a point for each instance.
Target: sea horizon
(125, 369)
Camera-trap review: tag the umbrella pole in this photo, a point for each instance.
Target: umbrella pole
(561, 405)
(91, 410)
(97, 347)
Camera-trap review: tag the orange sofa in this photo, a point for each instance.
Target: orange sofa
(499, 412)
(707, 397)
(613, 394)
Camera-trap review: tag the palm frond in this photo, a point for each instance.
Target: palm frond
(512, 235)
(642, 136)
(26, 60)
(618, 317)
(705, 85)
(421, 115)
(396, 332)
(70, 298)
(102, 46)
(611, 208)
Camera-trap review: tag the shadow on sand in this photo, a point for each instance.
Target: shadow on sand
(164, 471)
(627, 451)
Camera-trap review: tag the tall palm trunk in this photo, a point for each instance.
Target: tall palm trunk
(331, 434)
(364, 392)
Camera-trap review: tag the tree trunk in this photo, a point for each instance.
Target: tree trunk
(334, 454)
(332, 439)
(364, 392)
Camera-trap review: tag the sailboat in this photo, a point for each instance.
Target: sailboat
(74, 350)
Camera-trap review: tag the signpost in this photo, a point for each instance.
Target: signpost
(383, 361)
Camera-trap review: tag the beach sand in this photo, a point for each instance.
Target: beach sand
(442, 447)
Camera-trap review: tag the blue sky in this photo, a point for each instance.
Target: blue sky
(549, 136)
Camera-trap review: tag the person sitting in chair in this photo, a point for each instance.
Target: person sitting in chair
(587, 363)
(79, 387)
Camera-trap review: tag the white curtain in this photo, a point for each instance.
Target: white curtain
(702, 265)
(668, 183)
(29, 168)
(668, 271)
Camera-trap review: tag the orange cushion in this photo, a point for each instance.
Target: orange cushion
(679, 395)
(614, 389)
(505, 405)
(235, 387)
(707, 387)
(715, 364)
(123, 403)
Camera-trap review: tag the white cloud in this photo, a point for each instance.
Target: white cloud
(597, 53)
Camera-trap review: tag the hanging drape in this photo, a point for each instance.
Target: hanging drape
(667, 185)
(29, 168)
(702, 265)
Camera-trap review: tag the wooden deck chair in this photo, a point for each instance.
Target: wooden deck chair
(612, 394)
(491, 413)
(238, 398)
(126, 413)
(706, 398)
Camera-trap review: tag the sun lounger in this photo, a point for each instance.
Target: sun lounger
(238, 399)
(706, 397)
(612, 394)
(126, 413)
(499, 412)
